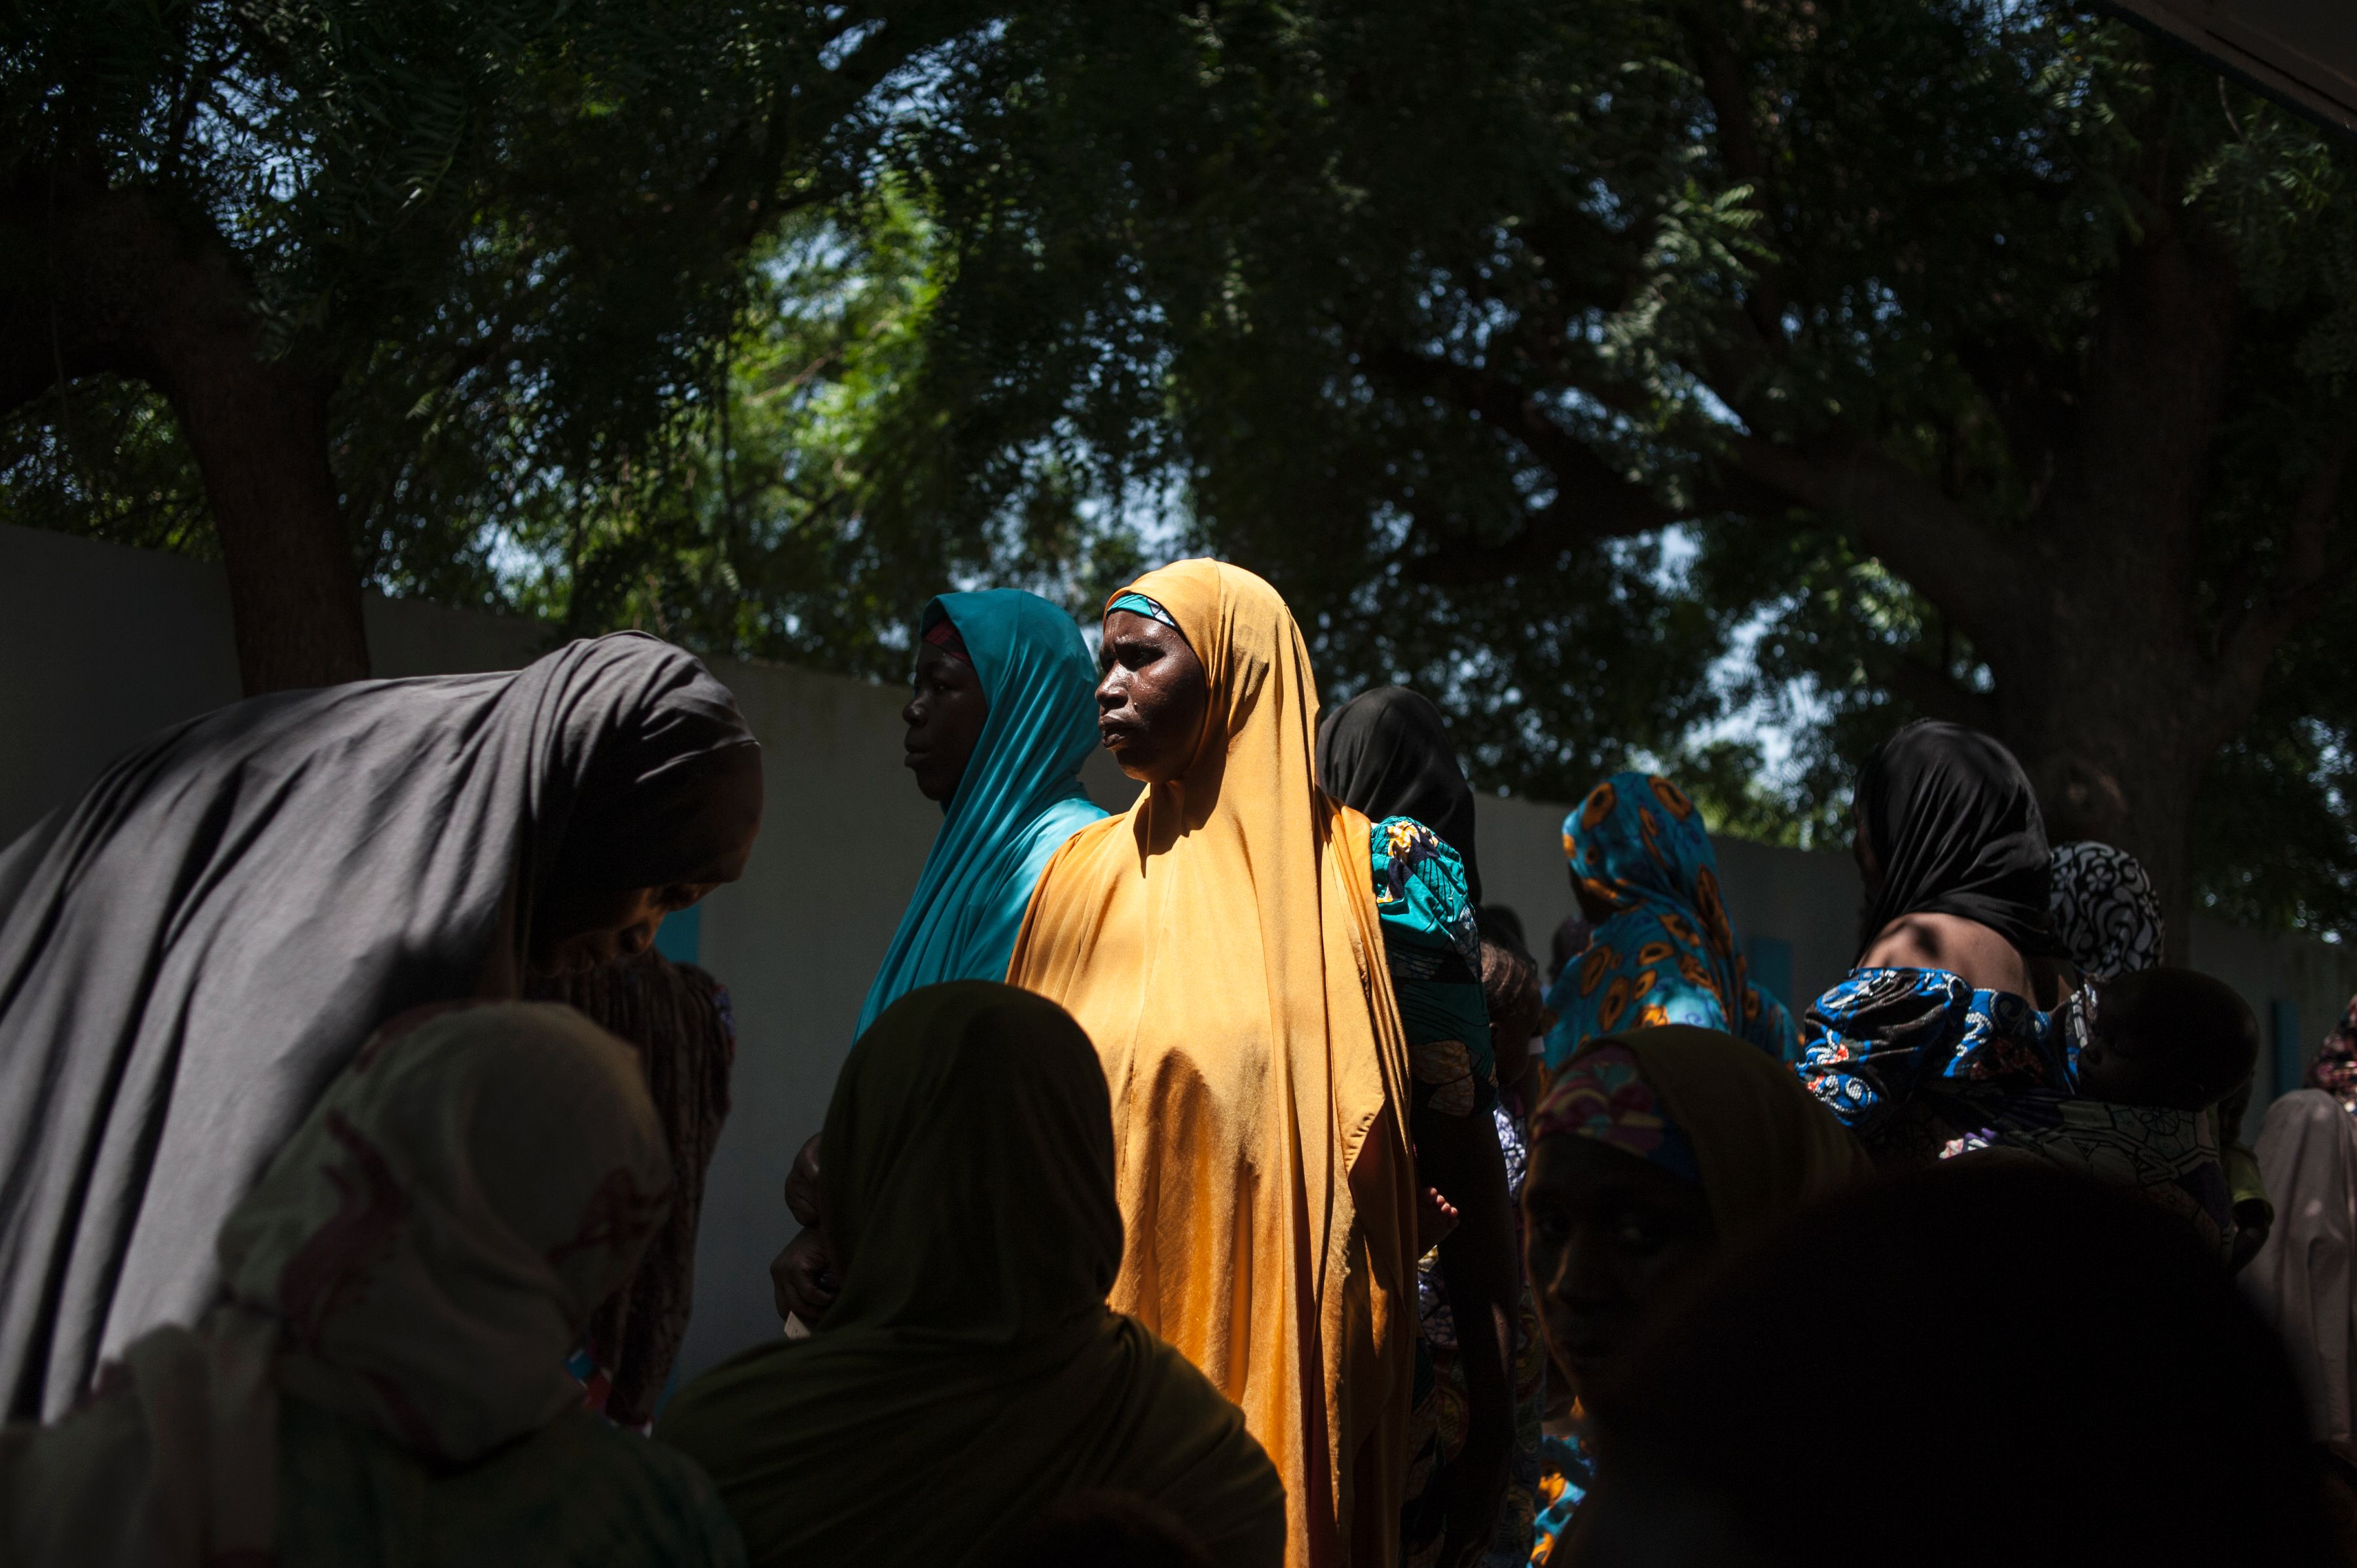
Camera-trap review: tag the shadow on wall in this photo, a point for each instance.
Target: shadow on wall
(100, 646)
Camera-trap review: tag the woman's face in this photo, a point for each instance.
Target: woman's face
(945, 714)
(1151, 699)
(1609, 1235)
(574, 931)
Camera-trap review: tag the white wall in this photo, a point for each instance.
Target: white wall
(100, 646)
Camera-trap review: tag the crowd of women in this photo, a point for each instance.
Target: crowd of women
(1220, 1182)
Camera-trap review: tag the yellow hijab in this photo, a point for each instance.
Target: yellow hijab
(1219, 944)
(969, 1376)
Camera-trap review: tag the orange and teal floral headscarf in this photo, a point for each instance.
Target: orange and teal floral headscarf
(1665, 952)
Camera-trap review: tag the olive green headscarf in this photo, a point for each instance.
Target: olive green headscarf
(970, 1375)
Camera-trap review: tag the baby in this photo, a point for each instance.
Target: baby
(2165, 1038)
(2150, 1055)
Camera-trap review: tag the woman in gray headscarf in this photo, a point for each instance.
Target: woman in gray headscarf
(190, 953)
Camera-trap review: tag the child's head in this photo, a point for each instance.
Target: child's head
(2167, 1038)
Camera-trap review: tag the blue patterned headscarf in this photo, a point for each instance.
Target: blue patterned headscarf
(1665, 955)
(1019, 800)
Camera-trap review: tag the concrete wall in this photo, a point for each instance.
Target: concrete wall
(100, 646)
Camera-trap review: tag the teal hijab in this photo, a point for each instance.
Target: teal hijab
(1019, 800)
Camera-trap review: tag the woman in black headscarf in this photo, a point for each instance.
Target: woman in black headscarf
(1386, 753)
(1948, 1008)
(193, 951)
(1953, 851)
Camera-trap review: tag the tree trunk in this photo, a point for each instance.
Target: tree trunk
(95, 279)
(260, 435)
(2105, 685)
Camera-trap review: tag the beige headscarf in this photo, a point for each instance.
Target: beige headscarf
(1219, 944)
(420, 1256)
(2304, 1280)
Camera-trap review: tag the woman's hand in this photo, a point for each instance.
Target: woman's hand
(804, 1279)
(803, 1276)
(802, 1185)
(1435, 1220)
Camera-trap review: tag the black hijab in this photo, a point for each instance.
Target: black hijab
(1386, 753)
(191, 951)
(1955, 826)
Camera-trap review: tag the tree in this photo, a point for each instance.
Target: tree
(2039, 327)
(389, 263)
(1592, 367)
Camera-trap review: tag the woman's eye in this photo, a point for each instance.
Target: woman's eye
(1639, 1236)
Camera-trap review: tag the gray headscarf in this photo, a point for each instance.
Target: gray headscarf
(191, 952)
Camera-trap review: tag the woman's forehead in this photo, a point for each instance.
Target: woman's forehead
(1573, 1168)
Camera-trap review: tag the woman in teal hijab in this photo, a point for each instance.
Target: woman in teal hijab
(1019, 795)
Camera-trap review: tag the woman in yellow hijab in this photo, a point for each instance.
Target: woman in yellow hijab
(1220, 943)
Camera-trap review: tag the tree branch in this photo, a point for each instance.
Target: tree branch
(1593, 500)
(1935, 693)
(2313, 573)
(1721, 74)
(1920, 534)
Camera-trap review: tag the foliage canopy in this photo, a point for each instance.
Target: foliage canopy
(1607, 370)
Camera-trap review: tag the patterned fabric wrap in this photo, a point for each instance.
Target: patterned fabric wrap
(1138, 604)
(1434, 951)
(2105, 910)
(2334, 1071)
(1433, 948)
(1604, 1096)
(2171, 1156)
(1438, 1427)
(1666, 954)
(1909, 1058)
(1567, 1474)
(1922, 1066)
